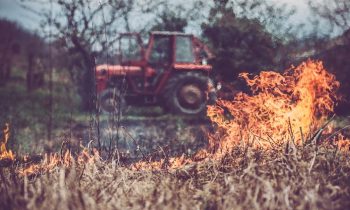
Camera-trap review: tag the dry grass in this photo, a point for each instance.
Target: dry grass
(287, 177)
(314, 174)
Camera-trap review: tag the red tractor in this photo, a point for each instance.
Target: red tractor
(172, 71)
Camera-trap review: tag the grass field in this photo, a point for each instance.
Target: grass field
(284, 155)
(306, 177)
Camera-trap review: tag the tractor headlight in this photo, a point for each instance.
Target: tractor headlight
(218, 86)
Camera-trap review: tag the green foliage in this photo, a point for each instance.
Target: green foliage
(17, 45)
(336, 60)
(28, 112)
(239, 44)
(169, 21)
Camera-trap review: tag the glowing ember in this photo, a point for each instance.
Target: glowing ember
(282, 107)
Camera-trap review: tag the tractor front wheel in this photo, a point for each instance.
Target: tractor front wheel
(187, 94)
(111, 101)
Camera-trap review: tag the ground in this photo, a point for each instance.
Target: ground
(160, 168)
(310, 177)
(144, 128)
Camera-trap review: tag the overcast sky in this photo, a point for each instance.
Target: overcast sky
(12, 10)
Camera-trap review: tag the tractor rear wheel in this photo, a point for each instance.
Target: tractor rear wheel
(187, 94)
(111, 101)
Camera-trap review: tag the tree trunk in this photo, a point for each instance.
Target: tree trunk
(88, 87)
(5, 68)
(8, 70)
(2, 76)
(30, 72)
(87, 81)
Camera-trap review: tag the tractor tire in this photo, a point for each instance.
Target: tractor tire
(111, 102)
(186, 94)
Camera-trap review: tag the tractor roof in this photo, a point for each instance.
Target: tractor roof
(168, 33)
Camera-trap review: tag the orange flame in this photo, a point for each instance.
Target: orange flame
(280, 105)
(4, 154)
(52, 161)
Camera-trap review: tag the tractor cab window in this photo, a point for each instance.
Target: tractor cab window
(160, 50)
(130, 48)
(184, 52)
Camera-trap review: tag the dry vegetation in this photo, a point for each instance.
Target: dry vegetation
(259, 159)
(288, 177)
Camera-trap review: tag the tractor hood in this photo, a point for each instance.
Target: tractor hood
(116, 70)
(119, 70)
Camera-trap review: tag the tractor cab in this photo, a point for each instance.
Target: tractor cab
(152, 63)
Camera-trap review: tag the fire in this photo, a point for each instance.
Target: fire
(4, 154)
(282, 107)
(51, 161)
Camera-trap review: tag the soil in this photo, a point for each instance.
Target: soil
(164, 135)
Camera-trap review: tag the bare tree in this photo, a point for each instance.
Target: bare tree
(83, 27)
